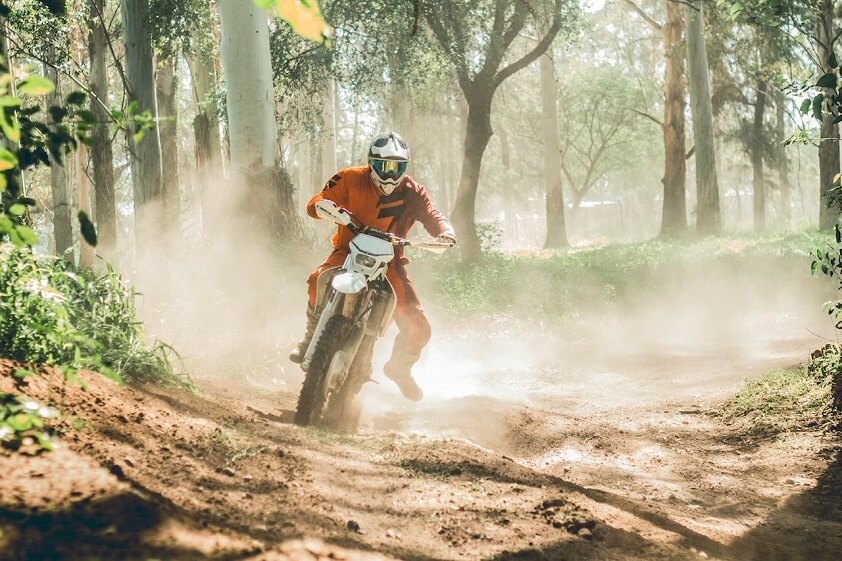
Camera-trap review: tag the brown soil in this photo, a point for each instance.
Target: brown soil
(150, 473)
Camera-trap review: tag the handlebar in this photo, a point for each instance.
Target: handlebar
(430, 245)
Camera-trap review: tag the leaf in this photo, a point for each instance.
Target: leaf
(7, 160)
(805, 106)
(26, 235)
(304, 17)
(17, 209)
(22, 373)
(827, 81)
(87, 228)
(77, 98)
(10, 127)
(817, 106)
(36, 85)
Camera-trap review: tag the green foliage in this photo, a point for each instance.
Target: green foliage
(780, 401)
(558, 283)
(826, 367)
(73, 320)
(828, 259)
(22, 424)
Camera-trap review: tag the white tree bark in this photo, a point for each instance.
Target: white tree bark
(248, 86)
(556, 229)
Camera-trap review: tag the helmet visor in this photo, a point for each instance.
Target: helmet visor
(388, 169)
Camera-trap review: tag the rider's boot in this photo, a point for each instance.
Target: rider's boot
(297, 354)
(399, 370)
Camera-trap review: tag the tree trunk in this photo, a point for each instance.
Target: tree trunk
(477, 134)
(708, 219)
(674, 217)
(206, 137)
(757, 144)
(784, 188)
(829, 144)
(252, 127)
(101, 154)
(556, 228)
(329, 132)
(62, 224)
(147, 181)
(165, 91)
(86, 252)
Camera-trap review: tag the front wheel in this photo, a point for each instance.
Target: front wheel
(313, 394)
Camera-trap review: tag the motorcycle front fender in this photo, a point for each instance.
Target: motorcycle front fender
(349, 282)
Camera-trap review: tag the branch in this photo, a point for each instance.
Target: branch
(500, 38)
(532, 55)
(63, 72)
(457, 56)
(650, 117)
(690, 153)
(646, 17)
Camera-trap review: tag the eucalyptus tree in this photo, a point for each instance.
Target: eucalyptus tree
(476, 37)
(102, 155)
(556, 226)
(708, 216)
(147, 177)
(809, 26)
(674, 214)
(250, 105)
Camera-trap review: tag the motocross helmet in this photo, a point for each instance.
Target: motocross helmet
(388, 158)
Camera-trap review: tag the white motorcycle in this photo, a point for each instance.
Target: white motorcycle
(356, 303)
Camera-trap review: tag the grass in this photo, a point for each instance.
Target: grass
(780, 401)
(51, 314)
(558, 282)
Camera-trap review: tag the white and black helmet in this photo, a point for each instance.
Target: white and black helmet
(388, 158)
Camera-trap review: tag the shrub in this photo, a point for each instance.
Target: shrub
(50, 314)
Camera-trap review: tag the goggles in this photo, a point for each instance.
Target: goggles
(388, 169)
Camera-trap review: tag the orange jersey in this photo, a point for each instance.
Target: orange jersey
(353, 190)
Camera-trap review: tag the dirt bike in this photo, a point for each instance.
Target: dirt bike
(356, 303)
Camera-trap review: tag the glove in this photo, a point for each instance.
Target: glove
(444, 238)
(328, 209)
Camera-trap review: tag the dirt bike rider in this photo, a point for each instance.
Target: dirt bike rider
(382, 196)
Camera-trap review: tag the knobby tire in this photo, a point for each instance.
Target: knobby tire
(313, 394)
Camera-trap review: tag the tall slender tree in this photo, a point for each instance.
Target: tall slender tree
(556, 227)
(101, 152)
(708, 218)
(249, 90)
(829, 164)
(147, 179)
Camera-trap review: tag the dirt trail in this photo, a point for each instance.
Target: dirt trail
(598, 443)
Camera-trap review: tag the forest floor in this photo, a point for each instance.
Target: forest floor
(147, 473)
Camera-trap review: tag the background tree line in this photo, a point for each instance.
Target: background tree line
(553, 121)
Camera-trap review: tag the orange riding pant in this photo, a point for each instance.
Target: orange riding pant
(413, 328)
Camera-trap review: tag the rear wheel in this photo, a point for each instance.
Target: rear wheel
(311, 400)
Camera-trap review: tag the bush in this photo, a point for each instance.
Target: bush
(52, 315)
(826, 367)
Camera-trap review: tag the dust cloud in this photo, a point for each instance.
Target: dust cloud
(233, 307)
(694, 333)
(232, 302)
